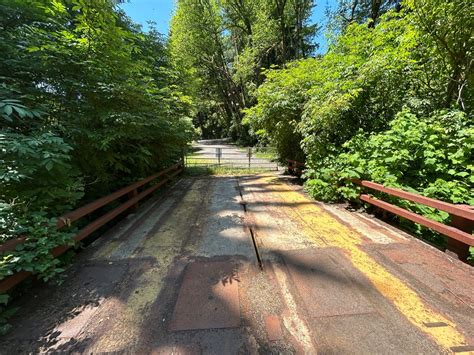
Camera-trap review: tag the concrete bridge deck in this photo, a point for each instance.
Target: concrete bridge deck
(182, 276)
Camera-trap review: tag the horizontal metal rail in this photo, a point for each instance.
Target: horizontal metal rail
(11, 244)
(233, 158)
(91, 207)
(226, 159)
(462, 216)
(233, 165)
(65, 220)
(459, 233)
(464, 211)
(449, 231)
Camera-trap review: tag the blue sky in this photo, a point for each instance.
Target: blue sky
(160, 11)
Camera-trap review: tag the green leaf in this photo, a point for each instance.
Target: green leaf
(4, 298)
(8, 110)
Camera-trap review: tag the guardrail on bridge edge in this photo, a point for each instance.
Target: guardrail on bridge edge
(134, 196)
(459, 232)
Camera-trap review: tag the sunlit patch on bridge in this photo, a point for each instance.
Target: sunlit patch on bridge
(182, 275)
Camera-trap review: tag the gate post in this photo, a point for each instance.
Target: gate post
(131, 195)
(250, 155)
(218, 155)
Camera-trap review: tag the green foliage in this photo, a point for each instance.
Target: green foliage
(367, 77)
(108, 88)
(361, 83)
(280, 105)
(37, 172)
(380, 105)
(446, 29)
(35, 254)
(431, 155)
(360, 11)
(88, 103)
(369, 74)
(38, 182)
(220, 48)
(5, 315)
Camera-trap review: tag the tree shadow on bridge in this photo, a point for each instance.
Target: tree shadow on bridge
(51, 316)
(89, 284)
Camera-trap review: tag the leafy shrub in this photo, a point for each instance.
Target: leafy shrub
(431, 155)
(315, 105)
(280, 105)
(362, 83)
(38, 184)
(36, 173)
(34, 255)
(87, 105)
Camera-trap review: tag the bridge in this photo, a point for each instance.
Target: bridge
(249, 264)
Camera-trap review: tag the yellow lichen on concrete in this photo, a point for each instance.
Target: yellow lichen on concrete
(170, 233)
(130, 314)
(163, 246)
(321, 226)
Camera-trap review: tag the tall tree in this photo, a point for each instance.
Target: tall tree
(361, 11)
(448, 27)
(224, 44)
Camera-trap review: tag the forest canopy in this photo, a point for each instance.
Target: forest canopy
(221, 47)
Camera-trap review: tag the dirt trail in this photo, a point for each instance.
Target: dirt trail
(181, 276)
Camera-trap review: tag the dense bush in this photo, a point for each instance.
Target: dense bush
(281, 101)
(390, 102)
(315, 104)
(36, 171)
(432, 156)
(88, 103)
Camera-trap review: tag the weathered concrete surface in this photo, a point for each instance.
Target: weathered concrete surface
(222, 226)
(208, 298)
(181, 277)
(373, 289)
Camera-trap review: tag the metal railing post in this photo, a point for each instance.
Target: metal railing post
(218, 155)
(455, 247)
(183, 157)
(131, 195)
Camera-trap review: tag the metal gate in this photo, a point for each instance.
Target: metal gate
(232, 157)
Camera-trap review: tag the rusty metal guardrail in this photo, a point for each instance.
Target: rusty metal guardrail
(134, 196)
(459, 232)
